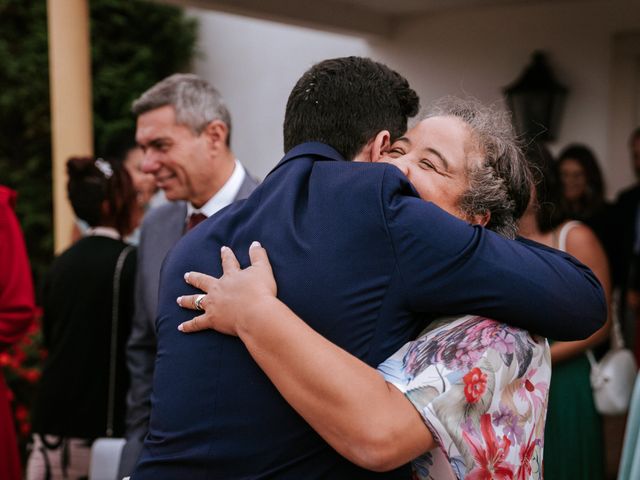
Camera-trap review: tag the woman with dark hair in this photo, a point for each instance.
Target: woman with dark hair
(88, 304)
(582, 191)
(573, 432)
(582, 184)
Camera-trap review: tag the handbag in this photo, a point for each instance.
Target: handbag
(613, 377)
(105, 451)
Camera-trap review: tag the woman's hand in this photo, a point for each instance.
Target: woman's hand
(234, 298)
(369, 422)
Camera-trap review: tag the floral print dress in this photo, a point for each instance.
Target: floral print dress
(481, 387)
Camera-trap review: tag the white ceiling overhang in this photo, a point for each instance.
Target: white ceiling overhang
(361, 17)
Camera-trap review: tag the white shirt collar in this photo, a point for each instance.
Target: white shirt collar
(103, 232)
(223, 197)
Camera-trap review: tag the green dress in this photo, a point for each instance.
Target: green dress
(573, 438)
(573, 443)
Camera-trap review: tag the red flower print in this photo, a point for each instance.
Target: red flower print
(526, 453)
(475, 383)
(490, 461)
(534, 393)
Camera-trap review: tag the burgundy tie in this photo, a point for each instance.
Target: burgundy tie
(195, 219)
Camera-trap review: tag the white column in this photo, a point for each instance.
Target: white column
(71, 112)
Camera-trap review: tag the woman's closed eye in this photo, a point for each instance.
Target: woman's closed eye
(427, 165)
(397, 151)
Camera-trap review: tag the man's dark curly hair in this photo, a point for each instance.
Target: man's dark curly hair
(345, 102)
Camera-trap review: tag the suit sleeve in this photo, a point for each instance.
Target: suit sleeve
(450, 267)
(141, 352)
(17, 304)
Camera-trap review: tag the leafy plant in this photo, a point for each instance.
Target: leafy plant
(21, 366)
(134, 44)
(25, 136)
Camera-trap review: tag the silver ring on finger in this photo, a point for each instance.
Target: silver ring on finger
(198, 302)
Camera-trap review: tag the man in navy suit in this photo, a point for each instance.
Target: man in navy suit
(361, 258)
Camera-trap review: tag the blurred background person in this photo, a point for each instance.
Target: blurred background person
(583, 192)
(123, 149)
(573, 442)
(626, 254)
(147, 192)
(88, 304)
(17, 310)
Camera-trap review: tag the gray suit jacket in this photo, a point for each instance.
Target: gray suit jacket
(161, 229)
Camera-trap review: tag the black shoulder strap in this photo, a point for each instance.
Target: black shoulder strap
(115, 310)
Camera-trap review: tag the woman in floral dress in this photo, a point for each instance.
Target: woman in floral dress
(467, 399)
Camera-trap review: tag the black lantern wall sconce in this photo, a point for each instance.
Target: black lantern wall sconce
(536, 101)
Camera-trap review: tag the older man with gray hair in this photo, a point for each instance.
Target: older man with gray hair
(183, 128)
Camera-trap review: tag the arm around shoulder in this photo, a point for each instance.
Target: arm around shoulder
(451, 267)
(366, 419)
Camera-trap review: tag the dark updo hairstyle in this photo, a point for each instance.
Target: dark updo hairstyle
(94, 181)
(593, 199)
(548, 189)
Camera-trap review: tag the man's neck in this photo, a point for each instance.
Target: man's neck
(224, 195)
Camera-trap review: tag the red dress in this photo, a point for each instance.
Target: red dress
(17, 309)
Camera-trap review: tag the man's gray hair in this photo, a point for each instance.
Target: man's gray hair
(500, 180)
(196, 102)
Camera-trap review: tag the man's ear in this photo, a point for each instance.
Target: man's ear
(217, 133)
(375, 148)
(381, 145)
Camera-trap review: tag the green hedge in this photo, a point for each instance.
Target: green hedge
(133, 45)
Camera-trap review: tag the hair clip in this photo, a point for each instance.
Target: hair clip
(104, 167)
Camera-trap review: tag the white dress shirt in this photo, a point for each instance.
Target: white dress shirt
(224, 196)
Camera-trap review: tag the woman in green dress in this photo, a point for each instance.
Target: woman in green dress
(573, 444)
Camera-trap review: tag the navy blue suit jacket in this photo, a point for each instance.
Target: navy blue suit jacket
(361, 259)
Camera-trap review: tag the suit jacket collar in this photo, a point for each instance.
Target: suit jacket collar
(321, 151)
(175, 216)
(247, 187)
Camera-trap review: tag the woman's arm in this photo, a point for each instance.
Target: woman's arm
(348, 403)
(584, 245)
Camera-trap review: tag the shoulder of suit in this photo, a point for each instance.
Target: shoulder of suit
(394, 181)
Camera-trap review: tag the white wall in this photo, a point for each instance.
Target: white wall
(480, 51)
(475, 51)
(255, 64)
